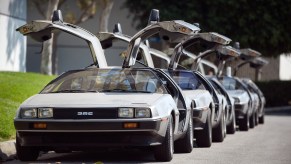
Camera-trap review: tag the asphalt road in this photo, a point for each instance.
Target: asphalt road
(268, 143)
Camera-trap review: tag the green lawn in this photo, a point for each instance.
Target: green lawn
(15, 87)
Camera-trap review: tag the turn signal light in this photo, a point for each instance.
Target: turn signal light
(130, 125)
(39, 125)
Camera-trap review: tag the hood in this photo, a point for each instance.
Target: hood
(92, 100)
(240, 94)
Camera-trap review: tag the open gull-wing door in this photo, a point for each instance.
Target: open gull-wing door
(106, 39)
(212, 40)
(174, 31)
(41, 30)
(203, 62)
(226, 54)
(252, 57)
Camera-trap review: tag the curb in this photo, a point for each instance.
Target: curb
(272, 109)
(7, 150)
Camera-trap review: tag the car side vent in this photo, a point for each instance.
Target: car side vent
(57, 16)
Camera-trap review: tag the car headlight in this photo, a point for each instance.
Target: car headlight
(125, 112)
(45, 112)
(28, 113)
(142, 112)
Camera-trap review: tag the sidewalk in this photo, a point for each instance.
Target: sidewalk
(8, 151)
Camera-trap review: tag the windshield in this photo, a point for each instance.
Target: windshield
(106, 80)
(231, 83)
(186, 80)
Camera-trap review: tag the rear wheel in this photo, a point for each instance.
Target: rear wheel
(244, 123)
(204, 137)
(231, 127)
(25, 153)
(219, 131)
(164, 152)
(256, 119)
(252, 121)
(185, 145)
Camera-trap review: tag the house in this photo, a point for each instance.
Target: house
(13, 44)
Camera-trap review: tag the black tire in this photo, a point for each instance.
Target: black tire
(244, 123)
(164, 152)
(231, 128)
(185, 145)
(256, 119)
(25, 153)
(204, 137)
(252, 121)
(262, 119)
(219, 131)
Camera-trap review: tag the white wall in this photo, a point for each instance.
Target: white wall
(13, 44)
(285, 67)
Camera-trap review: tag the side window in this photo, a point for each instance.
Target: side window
(159, 62)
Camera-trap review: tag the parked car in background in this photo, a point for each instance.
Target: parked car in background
(230, 110)
(262, 100)
(209, 111)
(244, 108)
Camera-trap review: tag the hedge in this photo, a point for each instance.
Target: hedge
(277, 93)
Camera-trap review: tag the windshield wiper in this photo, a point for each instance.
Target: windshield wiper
(72, 91)
(124, 90)
(187, 88)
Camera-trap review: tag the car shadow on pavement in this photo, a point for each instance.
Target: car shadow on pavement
(100, 156)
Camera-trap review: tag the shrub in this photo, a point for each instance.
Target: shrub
(277, 93)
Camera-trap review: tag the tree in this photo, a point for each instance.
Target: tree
(88, 9)
(47, 48)
(261, 25)
(106, 5)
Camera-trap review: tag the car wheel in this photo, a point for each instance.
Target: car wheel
(25, 153)
(256, 119)
(262, 119)
(231, 127)
(244, 123)
(164, 152)
(219, 131)
(185, 145)
(252, 121)
(204, 137)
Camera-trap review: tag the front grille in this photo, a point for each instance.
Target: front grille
(85, 113)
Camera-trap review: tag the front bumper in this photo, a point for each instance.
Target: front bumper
(241, 110)
(90, 133)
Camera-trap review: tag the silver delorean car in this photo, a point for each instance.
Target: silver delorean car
(101, 106)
